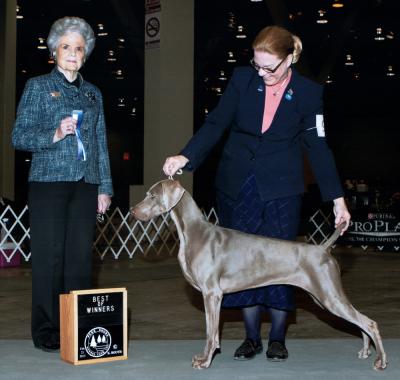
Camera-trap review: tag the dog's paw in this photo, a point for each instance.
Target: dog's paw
(200, 361)
(364, 353)
(380, 364)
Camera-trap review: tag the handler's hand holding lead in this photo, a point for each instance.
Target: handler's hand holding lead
(173, 164)
(341, 213)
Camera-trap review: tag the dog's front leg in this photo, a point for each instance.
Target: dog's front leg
(212, 307)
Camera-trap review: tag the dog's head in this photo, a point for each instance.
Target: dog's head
(160, 198)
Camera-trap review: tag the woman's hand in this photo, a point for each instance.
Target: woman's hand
(173, 164)
(103, 203)
(67, 127)
(341, 213)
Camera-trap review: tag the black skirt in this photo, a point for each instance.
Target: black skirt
(278, 218)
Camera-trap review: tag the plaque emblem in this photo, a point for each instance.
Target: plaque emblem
(97, 342)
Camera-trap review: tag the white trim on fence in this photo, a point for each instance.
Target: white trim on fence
(14, 233)
(321, 226)
(120, 234)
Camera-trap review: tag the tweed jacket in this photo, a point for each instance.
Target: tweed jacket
(275, 156)
(46, 100)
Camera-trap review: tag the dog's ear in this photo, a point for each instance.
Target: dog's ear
(172, 193)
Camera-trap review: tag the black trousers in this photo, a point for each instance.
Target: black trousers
(62, 218)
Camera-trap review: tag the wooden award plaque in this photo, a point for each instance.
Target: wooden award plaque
(93, 326)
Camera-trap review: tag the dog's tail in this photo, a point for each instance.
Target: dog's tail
(334, 236)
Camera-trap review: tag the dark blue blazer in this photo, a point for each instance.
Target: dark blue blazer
(276, 156)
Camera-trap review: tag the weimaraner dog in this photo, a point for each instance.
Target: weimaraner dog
(218, 260)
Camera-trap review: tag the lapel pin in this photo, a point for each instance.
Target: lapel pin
(91, 96)
(55, 94)
(289, 94)
(260, 88)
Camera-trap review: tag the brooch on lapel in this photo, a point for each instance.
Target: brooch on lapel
(289, 94)
(91, 96)
(55, 94)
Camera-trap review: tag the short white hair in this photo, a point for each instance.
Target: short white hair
(66, 25)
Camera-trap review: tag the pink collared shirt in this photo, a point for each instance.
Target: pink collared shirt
(273, 96)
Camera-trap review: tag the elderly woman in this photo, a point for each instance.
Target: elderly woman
(60, 119)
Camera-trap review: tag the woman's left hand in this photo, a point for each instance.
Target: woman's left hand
(103, 203)
(341, 213)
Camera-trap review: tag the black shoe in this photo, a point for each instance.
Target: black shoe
(50, 346)
(248, 350)
(277, 352)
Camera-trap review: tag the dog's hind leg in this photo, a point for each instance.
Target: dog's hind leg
(365, 352)
(326, 287)
(212, 307)
(370, 330)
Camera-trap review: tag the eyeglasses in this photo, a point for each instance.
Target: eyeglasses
(265, 68)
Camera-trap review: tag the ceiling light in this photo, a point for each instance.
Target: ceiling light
(321, 17)
(111, 57)
(101, 32)
(240, 32)
(338, 4)
(390, 35)
(119, 74)
(231, 57)
(390, 72)
(18, 15)
(41, 45)
(379, 36)
(349, 61)
(222, 75)
(218, 90)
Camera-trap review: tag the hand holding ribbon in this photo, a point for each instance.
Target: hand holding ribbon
(78, 116)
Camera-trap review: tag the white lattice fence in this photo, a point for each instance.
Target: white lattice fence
(320, 227)
(120, 234)
(14, 236)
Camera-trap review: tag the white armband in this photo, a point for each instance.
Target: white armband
(319, 124)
